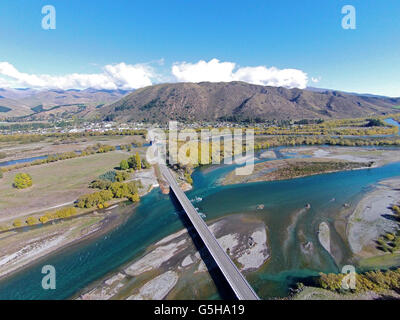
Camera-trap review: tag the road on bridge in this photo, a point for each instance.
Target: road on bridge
(236, 280)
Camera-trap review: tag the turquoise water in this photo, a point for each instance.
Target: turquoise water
(289, 225)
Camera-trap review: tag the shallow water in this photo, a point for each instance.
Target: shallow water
(289, 226)
(393, 123)
(25, 160)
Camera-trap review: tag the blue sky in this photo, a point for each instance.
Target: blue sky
(131, 43)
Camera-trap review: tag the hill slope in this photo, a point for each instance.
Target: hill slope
(42, 103)
(240, 101)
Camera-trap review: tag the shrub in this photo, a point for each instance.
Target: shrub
(43, 219)
(124, 165)
(31, 221)
(121, 176)
(188, 178)
(17, 223)
(135, 162)
(94, 199)
(109, 175)
(134, 197)
(22, 181)
(389, 236)
(119, 190)
(100, 184)
(145, 164)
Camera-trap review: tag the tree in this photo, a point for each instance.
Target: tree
(134, 162)
(43, 219)
(188, 177)
(31, 221)
(124, 165)
(138, 162)
(145, 164)
(134, 197)
(109, 175)
(119, 190)
(17, 223)
(22, 181)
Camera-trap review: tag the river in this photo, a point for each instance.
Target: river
(289, 226)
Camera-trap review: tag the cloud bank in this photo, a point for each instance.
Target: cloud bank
(215, 71)
(126, 77)
(118, 76)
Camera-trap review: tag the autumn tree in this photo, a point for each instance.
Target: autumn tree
(124, 165)
(22, 181)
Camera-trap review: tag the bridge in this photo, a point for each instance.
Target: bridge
(236, 280)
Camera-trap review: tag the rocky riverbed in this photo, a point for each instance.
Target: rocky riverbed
(373, 217)
(168, 267)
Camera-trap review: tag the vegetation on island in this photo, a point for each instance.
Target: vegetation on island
(306, 168)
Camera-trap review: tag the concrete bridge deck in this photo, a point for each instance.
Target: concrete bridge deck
(236, 280)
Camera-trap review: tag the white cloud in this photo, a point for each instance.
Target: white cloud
(126, 76)
(215, 71)
(315, 80)
(118, 76)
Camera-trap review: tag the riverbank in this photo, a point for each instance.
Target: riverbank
(276, 204)
(168, 267)
(23, 246)
(19, 249)
(372, 218)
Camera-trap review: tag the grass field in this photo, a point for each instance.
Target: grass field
(54, 184)
(54, 145)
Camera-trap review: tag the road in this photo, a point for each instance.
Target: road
(236, 280)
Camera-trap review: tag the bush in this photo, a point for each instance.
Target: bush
(188, 178)
(135, 162)
(17, 223)
(145, 164)
(31, 221)
(390, 236)
(134, 197)
(119, 190)
(121, 176)
(109, 175)
(43, 219)
(94, 199)
(22, 181)
(100, 184)
(124, 165)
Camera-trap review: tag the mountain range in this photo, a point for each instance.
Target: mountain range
(188, 102)
(42, 103)
(240, 101)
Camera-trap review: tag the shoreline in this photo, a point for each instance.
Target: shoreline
(372, 217)
(174, 262)
(107, 222)
(347, 158)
